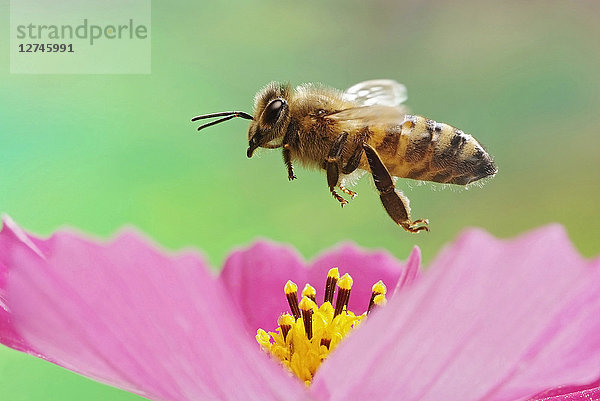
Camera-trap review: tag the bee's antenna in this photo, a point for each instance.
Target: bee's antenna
(228, 116)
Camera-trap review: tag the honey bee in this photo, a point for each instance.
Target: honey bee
(364, 129)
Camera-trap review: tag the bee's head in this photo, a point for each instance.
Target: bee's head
(271, 117)
(270, 121)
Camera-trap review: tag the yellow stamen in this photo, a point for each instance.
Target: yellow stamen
(302, 344)
(344, 285)
(285, 322)
(291, 293)
(263, 339)
(380, 300)
(290, 287)
(332, 278)
(325, 341)
(306, 307)
(310, 292)
(346, 282)
(378, 289)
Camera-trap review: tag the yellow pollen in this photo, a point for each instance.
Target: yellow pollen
(263, 338)
(379, 288)
(290, 287)
(285, 319)
(285, 323)
(310, 292)
(306, 304)
(380, 300)
(345, 282)
(307, 336)
(377, 295)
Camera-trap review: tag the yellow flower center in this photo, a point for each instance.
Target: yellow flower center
(305, 337)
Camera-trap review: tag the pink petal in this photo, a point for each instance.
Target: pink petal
(492, 320)
(412, 271)
(124, 314)
(567, 393)
(8, 335)
(582, 395)
(255, 277)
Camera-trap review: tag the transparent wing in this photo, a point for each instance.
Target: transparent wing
(370, 114)
(384, 92)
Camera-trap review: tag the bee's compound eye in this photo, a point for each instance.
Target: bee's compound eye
(273, 110)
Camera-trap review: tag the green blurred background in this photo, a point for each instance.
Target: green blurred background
(97, 152)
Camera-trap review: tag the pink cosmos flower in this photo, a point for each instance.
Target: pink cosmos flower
(491, 319)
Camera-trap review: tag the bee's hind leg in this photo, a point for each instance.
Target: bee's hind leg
(332, 166)
(395, 204)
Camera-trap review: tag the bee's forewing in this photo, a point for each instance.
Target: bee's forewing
(384, 92)
(370, 114)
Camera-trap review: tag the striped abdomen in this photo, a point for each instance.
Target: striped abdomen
(423, 149)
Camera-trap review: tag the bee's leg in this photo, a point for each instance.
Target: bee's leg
(353, 161)
(347, 191)
(290, 138)
(395, 204)
(350, 167)
(332, 166)
(287, 159)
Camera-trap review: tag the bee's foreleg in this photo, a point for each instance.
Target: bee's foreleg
(290, 138)
(395, 204)
(332, 166)
(287, 159)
